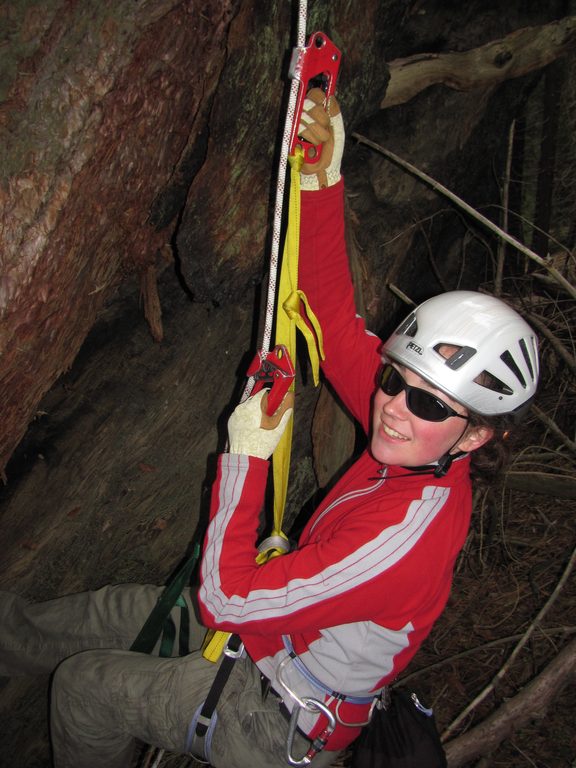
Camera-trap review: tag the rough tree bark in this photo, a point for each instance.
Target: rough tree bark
(110, 114)
(82, 165)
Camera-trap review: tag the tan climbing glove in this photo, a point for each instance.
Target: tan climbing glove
(251, 432)
(322, 124)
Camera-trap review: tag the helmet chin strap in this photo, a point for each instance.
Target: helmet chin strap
(439, 469)
(445, 461)
(442, 466)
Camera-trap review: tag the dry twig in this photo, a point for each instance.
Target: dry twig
(506, 667)
(554, 428)
(505, 199)
(478, 649)
(544, 263)
(555, 342)
(532, 702)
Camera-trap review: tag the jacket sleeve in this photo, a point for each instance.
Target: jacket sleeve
(352, 352)
(370, 563)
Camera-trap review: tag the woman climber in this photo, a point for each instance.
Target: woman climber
(327, 626)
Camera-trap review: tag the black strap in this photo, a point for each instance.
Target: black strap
(159, 619)
(211, 702)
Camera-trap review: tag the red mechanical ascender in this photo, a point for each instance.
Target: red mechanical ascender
(315, 66)
(276, 369)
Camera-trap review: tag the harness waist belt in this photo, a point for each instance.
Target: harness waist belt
(305, 672)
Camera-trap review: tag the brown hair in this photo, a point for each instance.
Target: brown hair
(491, 459)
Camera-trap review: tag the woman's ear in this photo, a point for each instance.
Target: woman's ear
(474, 438)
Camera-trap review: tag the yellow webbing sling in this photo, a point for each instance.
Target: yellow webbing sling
(288, 318)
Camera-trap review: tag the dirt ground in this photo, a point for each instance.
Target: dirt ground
(515, 556)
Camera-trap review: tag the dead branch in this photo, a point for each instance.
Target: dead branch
(523, 51)
(553, 427)
(555, 486)
(503, 671)
(401, 295)
(505, 211)
(531, 703)
(423, 671)
(534, 456)
(545, 280)
(555, 342)
(560, 279)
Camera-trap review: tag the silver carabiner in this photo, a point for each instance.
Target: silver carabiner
(311, 705)
(418, 704)
(280, 677)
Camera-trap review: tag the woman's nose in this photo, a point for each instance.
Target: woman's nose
(396, 405)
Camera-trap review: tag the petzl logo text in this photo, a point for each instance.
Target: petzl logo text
(414, 347)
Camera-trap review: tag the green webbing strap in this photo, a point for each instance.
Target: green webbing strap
(159, 621)
(169, 632)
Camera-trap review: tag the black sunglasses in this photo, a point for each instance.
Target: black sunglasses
(421, 403)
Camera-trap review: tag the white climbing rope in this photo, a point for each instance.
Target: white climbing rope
(154, 755)
(279, 202)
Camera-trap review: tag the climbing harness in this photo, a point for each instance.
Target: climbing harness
(205, 718)
(315, 706)
(159, 623)
(305, 672)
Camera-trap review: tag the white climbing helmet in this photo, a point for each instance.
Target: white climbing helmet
(492, 363)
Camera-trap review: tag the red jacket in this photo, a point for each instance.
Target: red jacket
(373, 567)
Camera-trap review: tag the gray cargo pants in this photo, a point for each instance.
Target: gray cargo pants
(104, 697)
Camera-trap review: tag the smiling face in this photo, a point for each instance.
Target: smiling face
(400, 438)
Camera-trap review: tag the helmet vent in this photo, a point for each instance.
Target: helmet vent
(456, 356)
(507, 358)
(524, 348)
(489, 381)
(408, 327)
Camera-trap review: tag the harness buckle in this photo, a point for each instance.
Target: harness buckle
(312, 705)
(277, 543)
(200, 734)
(231, 651)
